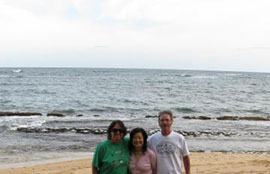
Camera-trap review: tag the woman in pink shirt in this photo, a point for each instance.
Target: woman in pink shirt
(142, 159)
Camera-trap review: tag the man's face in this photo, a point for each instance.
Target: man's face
(165, 122)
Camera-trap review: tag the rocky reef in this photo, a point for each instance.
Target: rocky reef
(250, 118)
(4, 114)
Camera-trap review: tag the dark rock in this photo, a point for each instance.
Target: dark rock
(198, 118)
(228, 118)
(99, 131)
(93, 131)
(204, 118)
(191, 133)
(55, 114)
(79, 115)
(203, 133)
(62, 130)
(151, 116)
(59, 130)
(189, 117)
(255, 118)
(22, 129)
(19, 114)
(83, 131)
(96, 115)
(153, 131)
(43, 130)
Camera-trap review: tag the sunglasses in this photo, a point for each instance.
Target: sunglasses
(117, 130)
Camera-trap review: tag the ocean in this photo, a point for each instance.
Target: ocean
(90, 98)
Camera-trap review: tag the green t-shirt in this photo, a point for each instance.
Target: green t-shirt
(112, 158)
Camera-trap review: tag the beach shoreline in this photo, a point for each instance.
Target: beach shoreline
(208, 163)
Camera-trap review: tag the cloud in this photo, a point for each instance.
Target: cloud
(172, 32)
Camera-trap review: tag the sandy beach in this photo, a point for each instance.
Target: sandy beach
(202, 163)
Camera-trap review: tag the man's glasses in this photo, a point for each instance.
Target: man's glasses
(117, 130)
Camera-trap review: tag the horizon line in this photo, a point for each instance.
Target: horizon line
(135, 68)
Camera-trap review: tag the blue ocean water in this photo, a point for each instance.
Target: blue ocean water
(90, 98)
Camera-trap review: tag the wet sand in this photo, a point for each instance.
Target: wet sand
(202, 163)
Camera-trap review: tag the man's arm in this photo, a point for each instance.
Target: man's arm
(186, 162)
(94, 170)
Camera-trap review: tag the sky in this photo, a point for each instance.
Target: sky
(230, 35)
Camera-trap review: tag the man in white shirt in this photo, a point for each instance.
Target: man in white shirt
(170, 147)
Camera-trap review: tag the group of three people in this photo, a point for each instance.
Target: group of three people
(163, 153)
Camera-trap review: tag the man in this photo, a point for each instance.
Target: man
(170, 147)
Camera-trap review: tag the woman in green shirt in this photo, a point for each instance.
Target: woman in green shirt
(112, 156)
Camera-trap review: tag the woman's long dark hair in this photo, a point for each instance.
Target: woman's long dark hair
(132, 133)
(121, 124)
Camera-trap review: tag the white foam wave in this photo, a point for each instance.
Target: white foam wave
(232, 74)
(15, 126)
(204, 77)
(16, 70)
(186, 75)
(25, 124)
